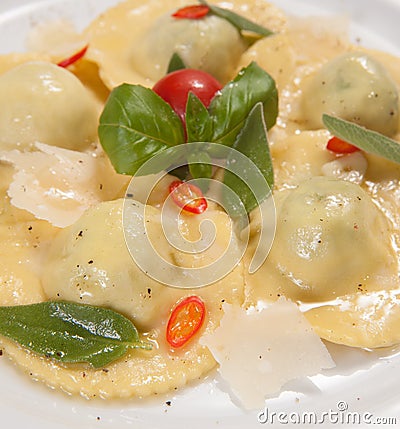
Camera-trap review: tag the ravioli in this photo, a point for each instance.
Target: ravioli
(90, 263)
(31, 90)
(304, 50)
(86, 71)
(363, 319)
(326, 228)
(133, 42)
(356, 87)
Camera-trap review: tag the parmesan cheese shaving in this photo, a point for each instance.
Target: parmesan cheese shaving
(57, 184)
(264, 347)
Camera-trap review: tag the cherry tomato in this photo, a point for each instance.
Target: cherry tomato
(188, 196)
(340, 146)
(73, 58)
(186, 319)
(175, 87)
(196, 11)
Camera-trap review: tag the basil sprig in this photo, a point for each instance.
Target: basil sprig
(71, 332)
(137, 124)
(366, 140)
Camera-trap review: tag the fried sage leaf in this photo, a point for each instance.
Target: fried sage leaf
(71, 332)
(240, 22)
(366, 140)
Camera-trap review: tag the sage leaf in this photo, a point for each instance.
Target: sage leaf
(255, 184)
(198, 121)
(70, 332)
(175, 63)
(231, 107)
(367, 140)
(238, 21)
(135, 125)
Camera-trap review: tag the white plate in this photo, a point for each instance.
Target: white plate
(364, 382)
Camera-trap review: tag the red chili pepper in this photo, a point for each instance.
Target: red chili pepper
(186, 319)
(340, 146)
(192, 12)
(188, 196)
(73, 58)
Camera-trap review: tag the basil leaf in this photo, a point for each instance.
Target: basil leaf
(241, 23)
(367, 140)
(135, 125)
(175, 63)
(230, 108)
(198, 121)
(181, 172)
(254, 186)
(200, 165)
(253, 142)
(70, 332)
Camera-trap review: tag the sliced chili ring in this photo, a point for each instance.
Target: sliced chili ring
(73, 58)
(338, 145)
(188, 196)
(192, 12)
(186, 319)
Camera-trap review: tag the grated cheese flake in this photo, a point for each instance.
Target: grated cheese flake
(264, 347)
(57, 184)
